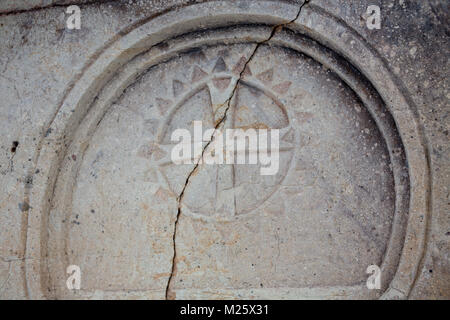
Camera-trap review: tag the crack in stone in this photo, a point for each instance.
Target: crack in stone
(169, 295)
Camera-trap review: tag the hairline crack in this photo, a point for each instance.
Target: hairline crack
(274, 30)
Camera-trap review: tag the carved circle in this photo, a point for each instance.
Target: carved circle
(121, 64)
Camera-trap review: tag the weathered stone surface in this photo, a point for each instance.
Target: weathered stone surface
(87, 177)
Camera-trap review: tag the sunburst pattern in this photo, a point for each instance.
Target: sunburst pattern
(254, 105)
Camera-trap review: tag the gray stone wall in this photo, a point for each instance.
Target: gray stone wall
(42, 64)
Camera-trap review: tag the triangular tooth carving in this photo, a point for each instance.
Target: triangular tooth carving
(266, 76)
(283, 87)
(198, 74)
(302, 117)
(220, 66)
(151, 175)
(239, 66)
(163, 105)
(289, 136)
(247, 71)
(178, 87)
(152, 150)
(197, 56)
(221, 83)
(152, 126)
(158, 153)
(220, 92)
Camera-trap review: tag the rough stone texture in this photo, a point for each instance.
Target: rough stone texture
(414, 42)
(141, 228)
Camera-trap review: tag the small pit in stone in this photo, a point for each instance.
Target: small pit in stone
(15, 144)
